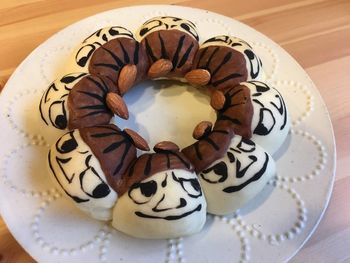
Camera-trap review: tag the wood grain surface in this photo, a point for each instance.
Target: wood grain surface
(315, 32)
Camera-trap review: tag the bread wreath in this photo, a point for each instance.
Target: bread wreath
(164, 47)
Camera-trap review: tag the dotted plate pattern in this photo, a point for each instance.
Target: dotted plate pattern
(271, 228)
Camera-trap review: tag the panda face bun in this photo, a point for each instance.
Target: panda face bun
(236, 178)
(168, 204)
(79, 174)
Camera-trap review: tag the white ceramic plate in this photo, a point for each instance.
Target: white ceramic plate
(272, 228)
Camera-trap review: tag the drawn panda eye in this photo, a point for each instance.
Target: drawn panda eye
(67, 143)
(246, 145)
(191, 186)
(142, 193)
(215, 174)
(57, 115)
(92, 184)
(84, 54)
(266, 122)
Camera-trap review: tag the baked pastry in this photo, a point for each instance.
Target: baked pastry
(90, 44)
(164, 198)
(232, 170)
(88, 164)
(80, 100)
(123, 60)
(228, 61)
(163, 194)
(171, 44)
(270, 121)
(255, 111)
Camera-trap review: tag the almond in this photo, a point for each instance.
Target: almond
(117, 105)
(202, 129)
(198, 77)
(217, 100)
(138, 141)
(127, 77)
(160, 68)
(166, 146)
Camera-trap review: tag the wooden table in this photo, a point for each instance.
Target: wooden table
(315, 32)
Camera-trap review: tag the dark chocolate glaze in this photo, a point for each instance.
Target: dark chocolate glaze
(227, 66)
(209, 148)
(115, 151)
(87, 102)
(148, 164)
(237, 111)
(175, 45)
(109, 59)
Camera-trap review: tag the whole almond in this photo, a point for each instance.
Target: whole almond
(217, 100)
(160, 68)
(127, 77)
(117, 105)
(202, 129)
(166, 146)
(198, 77)
(139, 142)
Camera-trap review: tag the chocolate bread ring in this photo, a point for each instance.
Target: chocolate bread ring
(163, 194)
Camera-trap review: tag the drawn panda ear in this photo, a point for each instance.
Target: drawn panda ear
(166, 146)
(138, 141)
(217, 100)
(202, 129)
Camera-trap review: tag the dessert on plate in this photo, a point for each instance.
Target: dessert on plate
(166, 193)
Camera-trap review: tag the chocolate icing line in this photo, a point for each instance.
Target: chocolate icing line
(107, 65)
(164, 53)
(201, 56)
(224, 117)
(115, 57)
(175, 217)
(149, 51)
(176, 55)
(126, 56)
(212, 143)
(93, 95)
(93, 113)
(136, 53)
(103, 88)
(185, 56)
(231, 76)
(223, 62)
(126, 150)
